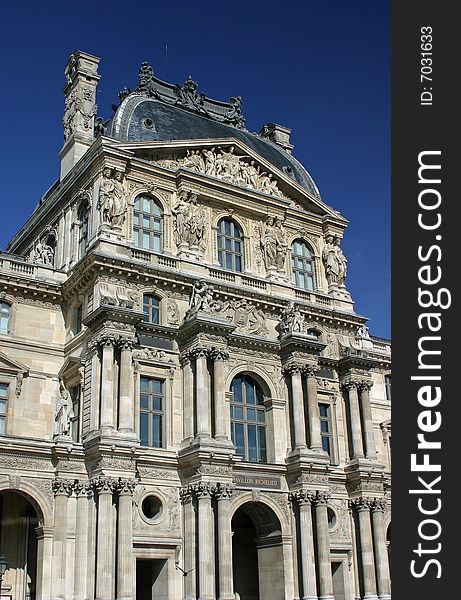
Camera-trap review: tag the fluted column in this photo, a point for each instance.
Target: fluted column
(225, 583)
(354, 417)
(221, 415)
(126, 403)
(306, 542)
(81, 491)
(323, 546)
(187, 498)
(206, 561)
(107, 384)
(383, 579)
(44, 561)
(125, 575)
(362, 505)
(368, 432)
(188, 394)
(202, 392)
(62, 489)
(105, 542)
(313, 408)
(294, 371)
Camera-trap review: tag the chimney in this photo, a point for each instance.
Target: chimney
(80, 108)
(278, 134)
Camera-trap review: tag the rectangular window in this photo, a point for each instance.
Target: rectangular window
(77, 320)
(325, 427)
(75, 396)
(388, 386)
(3, 407)
(152, 407)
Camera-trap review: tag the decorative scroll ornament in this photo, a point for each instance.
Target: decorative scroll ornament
(231, 168)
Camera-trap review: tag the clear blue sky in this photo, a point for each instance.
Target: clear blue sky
(321, 68)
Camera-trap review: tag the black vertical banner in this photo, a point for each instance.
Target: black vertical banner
(426, 268)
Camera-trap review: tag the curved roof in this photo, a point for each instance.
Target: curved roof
(140, 118)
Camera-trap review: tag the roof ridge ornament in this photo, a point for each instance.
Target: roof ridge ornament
(188, 97)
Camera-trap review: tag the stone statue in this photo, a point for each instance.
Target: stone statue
(234, 114)
(188, 96)
(273, 244)
(106, 194)
(331, 261)
(173, 511)
(281, 245)
(64, 412)
(292, 321)
(189, 223)
(44, 252)
(117, 211)
(342, 261)
(202, 298)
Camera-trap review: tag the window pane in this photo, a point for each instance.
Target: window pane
(157, 245)
(262, 444)
(3, 390)
(249, 392)
(261, 416)
(144, 403)
(146, 222)
(157, 403)
(157, 386)
(157, 431)
(229, 262)
(239, 439)
(251, 414)
(237, 389)
(259, 395)
(252, 447)
(2, 425)
(238, 263)
(145, 240)
(144, 433)
(136, 237)
(144, 384)
(323, 408)
(2, 407)
(238, 412)
(326, 444)
(324, 426)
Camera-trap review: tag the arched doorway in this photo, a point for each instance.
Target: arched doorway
(257, 553)
(18, 543)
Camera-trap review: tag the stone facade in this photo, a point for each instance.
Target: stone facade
(191, 407)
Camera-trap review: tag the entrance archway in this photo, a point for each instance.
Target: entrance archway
(18, 543)
(257, 553)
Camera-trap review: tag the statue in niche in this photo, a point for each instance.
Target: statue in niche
(64, 412)
(292, 321)
(106, 193)
(117, 211)
(189, 224)
(331, 261)
(273, 243)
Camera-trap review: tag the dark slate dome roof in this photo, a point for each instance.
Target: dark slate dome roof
(140, 118)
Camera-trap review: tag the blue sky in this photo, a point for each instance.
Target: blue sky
(320, 67)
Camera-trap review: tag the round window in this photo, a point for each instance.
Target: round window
(151, 507)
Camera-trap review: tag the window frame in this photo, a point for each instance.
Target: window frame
(151, 412)
(388, 386)
(3, 304)
(259, 408)
(6, 398)
(76, 397)
(328, 434)
(151, 309)
(139, 215)
(330, 401)
(297, 271)
(223, 252)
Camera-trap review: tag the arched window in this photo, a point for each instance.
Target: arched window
(230, 245)
(147, 223)
(4, 317)
(83, 218)
(302, 265)
(248, 419)
(150, 307)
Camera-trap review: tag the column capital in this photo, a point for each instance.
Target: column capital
(125, 343)
(224, 491)
(293, 367)
(361, 504)
(218, 354)
(62, 487)
(82, 488)
(349, 384)
(365, 384)
(311, 370)
(185, 494)
(125, 487)
(104, 485)
(320, 498)
(203, 490)
(198, 352)
(378, 505)
(302, 497)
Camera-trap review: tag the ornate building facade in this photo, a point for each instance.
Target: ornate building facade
(190, 406)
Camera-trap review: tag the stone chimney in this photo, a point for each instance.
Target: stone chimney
(80, 109)
(277, 134)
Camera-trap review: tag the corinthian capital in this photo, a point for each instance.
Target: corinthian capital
(125, 486)
(311, 370)
(62, 487)
(203, 490)
(224, 490)
(378, 504)
(218, 354)
(104, 485)
(302, 497)
(293, 367)
(365, 384)
(349, 384)
(361, 504)
(320, 498)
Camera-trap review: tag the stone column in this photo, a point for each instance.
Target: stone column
(188, 394)
(299, 425)
(106, 531)
(206, 561)
(362, 505)
(313, 408)
(354, 416)
(190, 533)
(44, 562)
(323, 546)
(306, 543)
(107, 385)
(81, 490)
(126, 403)
(382, 563)
(202, 393)
(225, 583)
(221, 415)
(369, 435)
(62, 489)
(125, 575)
